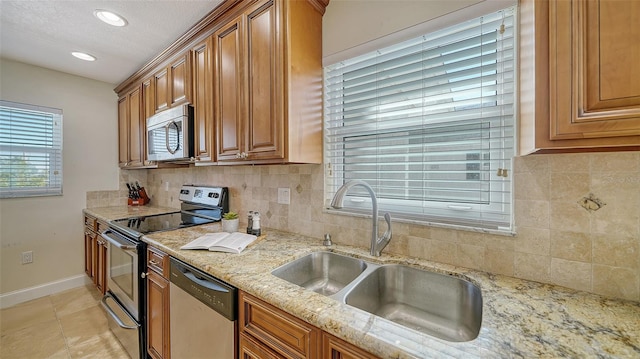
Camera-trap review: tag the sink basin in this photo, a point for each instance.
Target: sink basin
(322, 272)
(440, 305)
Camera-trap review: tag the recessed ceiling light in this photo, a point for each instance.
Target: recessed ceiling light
(83, 56)
(110, 18)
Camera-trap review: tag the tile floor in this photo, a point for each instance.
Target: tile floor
(70, 324)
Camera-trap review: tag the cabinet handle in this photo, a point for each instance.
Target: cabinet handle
(154, 262)
(144, 275)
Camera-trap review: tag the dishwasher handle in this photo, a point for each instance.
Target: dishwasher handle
(203, 282)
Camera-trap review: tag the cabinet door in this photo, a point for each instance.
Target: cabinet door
(179, 81)
(264, 83)
(228, 89)
(157, 316)
(594, 55)
(335, 348)
(161, 88)
(130, 129)
(123, 131)
(88, 253)
(136, 126)
(101, 265)
(148, 110)
(202, 95)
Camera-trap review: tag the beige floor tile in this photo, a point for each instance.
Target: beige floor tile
(27, 314)
(84, 324)
(104, 345)
(75, 300)
(41, 340)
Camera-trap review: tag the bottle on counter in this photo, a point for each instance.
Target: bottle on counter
(255, 226)
(250, 223)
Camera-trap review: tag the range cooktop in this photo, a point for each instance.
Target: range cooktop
(200, 205)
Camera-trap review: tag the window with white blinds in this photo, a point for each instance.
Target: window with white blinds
(429, 124)
(30, 150)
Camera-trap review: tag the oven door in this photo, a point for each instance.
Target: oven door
(122, 271)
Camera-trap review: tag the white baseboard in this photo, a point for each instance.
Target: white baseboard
(27, 294)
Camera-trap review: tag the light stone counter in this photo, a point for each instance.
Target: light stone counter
(520, 318)
(118, 212)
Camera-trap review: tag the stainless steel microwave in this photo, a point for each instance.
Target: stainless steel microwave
(170, 134)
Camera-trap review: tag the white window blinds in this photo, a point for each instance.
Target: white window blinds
(429, 124)
(30, 150)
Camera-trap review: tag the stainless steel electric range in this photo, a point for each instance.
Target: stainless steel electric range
(126, 267)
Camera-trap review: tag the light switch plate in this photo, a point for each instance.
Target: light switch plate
(284, 195)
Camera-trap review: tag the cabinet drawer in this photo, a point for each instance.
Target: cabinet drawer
(158, 261)
(287, 335)
(101, 226)
(252, 349)
(90, 222)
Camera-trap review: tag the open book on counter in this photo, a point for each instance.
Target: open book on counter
(234, 242)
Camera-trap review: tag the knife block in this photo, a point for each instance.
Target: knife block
(141, 200)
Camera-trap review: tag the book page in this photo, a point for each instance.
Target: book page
(206, 241)
(221, 241)
(236, 241)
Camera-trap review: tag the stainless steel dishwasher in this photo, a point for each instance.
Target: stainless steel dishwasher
(203, 314)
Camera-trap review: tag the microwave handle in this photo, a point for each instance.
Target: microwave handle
(166, 131)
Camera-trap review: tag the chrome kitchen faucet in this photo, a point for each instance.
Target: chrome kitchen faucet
(377, 244)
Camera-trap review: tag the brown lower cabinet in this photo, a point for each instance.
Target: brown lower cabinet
(336, 348)
(267, 332)
(95, 253)
(158, 341)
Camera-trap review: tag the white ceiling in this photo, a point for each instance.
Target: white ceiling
(44, 33)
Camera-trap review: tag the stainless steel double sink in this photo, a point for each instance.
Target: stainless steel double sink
(440, 305)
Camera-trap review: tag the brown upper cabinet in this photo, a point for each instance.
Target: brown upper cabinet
(579, 62)
(253, 72)
(202, 101)
(172, 83)
(267, 84)
(131, 129)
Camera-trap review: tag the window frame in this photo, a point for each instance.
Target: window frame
(53, 151)
(359, 204)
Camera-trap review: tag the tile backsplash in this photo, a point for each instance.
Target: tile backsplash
(577, 217)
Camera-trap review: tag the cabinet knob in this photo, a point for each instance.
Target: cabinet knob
(144, 275)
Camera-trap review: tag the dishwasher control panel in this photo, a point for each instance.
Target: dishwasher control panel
(211, 291)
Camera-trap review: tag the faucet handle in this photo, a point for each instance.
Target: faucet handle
(387, 234)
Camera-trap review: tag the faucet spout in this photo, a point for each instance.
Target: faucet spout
(377, 244)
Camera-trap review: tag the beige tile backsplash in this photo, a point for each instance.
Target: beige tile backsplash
(558, 241)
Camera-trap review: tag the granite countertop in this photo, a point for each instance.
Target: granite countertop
(520, 318)
(118, 212)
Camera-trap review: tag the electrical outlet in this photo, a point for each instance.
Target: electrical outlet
(284, 195)
(27, 257)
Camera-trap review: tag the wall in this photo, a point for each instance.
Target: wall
(350, 23)
(558, 241)
(52, 227)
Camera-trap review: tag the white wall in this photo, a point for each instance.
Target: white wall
(350, 23)
(52, 227)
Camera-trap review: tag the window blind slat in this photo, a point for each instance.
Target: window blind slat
(428, 123)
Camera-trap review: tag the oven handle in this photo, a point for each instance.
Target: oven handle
(115, 242)
(113, 314)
